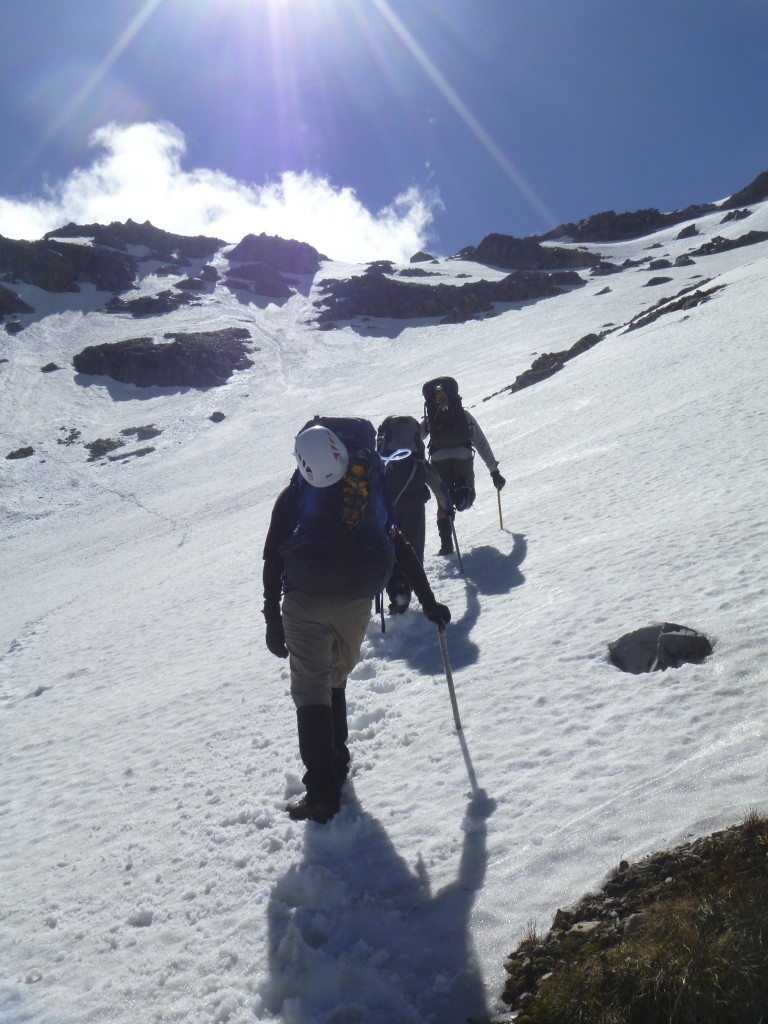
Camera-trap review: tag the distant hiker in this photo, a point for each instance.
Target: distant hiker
(454, 434)
(330, 548)
(408, 482)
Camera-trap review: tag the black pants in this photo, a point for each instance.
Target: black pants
(410, 519)
(458, 475)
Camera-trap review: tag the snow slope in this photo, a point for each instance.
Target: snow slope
(148, 870)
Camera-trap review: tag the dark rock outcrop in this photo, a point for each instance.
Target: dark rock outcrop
(687, 299)
(260, 279)
(163, 244)
(617, 227)
(62, 266)
(719, 244)
(21, 453)
(548, 364)
(197, 360)
(101, 447)
(604, 268)
(735, 215)
(376, 295)
(755, 192)
(512, 253)
(11, 303)
(417, 272)
(610, 226)
(144, 433)
(285, 255)
(165, 301)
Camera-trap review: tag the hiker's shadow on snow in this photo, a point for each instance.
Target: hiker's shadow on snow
(487, 571)
(416, 643)
(356, 935)
(493, 572)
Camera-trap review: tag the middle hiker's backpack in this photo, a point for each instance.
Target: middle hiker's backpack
(402, 476)
(340, 544)
(445, 415)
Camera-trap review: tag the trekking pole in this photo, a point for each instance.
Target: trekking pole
(456, 545)
(449, 676)
(501, 519)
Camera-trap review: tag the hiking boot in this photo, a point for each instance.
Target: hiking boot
(304, 810)
(446, 537)
(400, 603)
(322, 753)
(463, 495)
(341, 756)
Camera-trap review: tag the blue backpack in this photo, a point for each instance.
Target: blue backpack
(340, 544)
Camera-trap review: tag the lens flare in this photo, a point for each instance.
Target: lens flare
(463, 111)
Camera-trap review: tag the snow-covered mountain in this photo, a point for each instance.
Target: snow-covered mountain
(149, 872)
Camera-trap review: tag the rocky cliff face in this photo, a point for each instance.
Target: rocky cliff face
(62, 267)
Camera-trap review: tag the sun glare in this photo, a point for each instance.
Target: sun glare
(463, 111)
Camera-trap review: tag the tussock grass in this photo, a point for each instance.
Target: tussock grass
(700, 957)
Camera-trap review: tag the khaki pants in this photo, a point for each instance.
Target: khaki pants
(323, 636)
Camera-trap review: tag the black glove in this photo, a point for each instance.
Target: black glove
(498, 479)
(438, 614)
(276, 637)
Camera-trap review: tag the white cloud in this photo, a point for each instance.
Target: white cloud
(138, 174)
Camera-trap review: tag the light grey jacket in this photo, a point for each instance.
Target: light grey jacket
(479, 443)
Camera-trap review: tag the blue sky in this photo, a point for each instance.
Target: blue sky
(368, 127)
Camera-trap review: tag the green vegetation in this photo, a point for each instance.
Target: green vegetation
(695, 953)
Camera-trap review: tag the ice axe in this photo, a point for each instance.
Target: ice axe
(449, 676)
(456, 545)
(476, 791)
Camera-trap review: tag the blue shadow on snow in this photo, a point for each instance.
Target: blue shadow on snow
(355, 935)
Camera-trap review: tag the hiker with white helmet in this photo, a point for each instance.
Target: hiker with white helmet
(330, 549)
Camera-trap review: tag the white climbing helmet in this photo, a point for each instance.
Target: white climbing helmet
(322, 458)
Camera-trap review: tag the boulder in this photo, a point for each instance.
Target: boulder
(198, 360)
(658, 647)
(286, 255)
